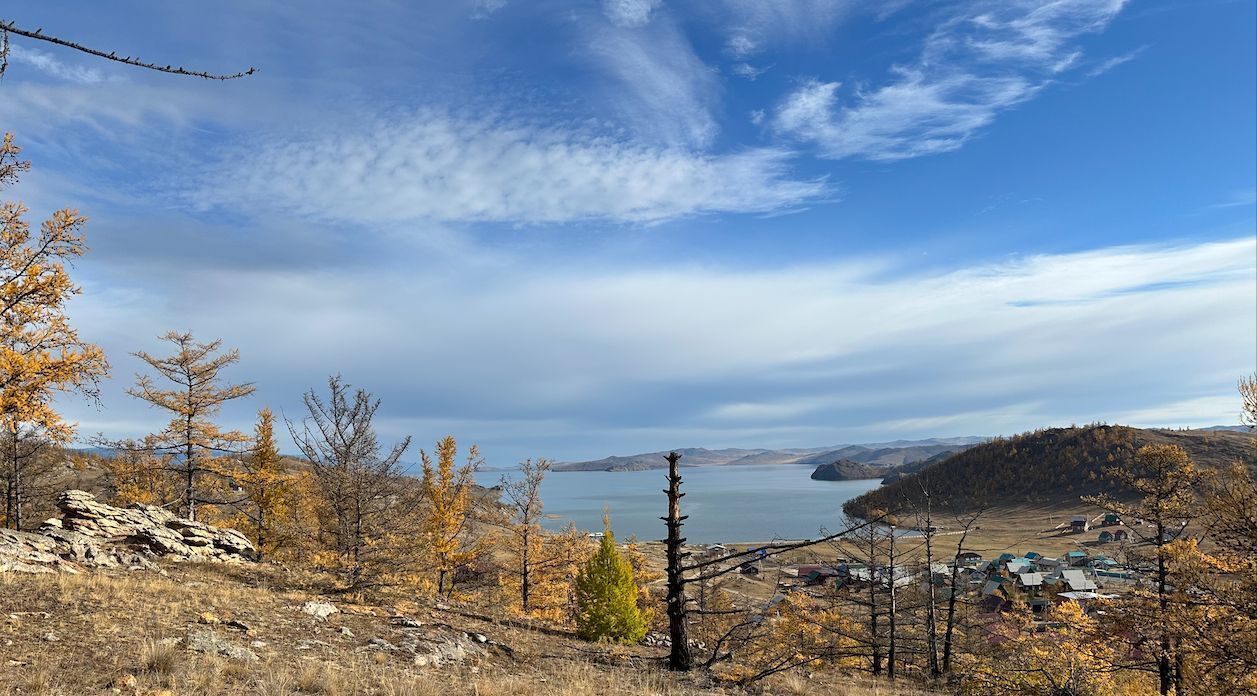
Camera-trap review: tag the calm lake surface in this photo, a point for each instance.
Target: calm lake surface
(725, 503)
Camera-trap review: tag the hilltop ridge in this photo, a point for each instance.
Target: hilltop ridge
(1049, 467)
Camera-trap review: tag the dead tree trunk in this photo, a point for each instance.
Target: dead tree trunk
(931, 625)
(680, 658)
(890, 650)
(953, 594)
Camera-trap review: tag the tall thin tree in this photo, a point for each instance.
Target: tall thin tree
(522, 496)
(364, 492)
(446, 489)
(191, 444)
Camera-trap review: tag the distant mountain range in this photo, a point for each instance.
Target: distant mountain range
(882, 456)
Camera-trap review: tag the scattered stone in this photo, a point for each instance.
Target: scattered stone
(319, 610)
(51, 637)
(207, 617)
(478, 637)
(382, 644)
(211, 643)
(258, 644)
(238, 625)
(405, 621)
(344, 631)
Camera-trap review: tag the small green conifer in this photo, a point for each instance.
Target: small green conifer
(606, 597)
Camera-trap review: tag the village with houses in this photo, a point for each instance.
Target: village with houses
(1098, 569)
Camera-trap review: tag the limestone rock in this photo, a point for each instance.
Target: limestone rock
(92, 534)
(211, 643)
(319, 610)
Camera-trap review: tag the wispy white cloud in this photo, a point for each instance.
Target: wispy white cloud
(971, 68)
(1240, 199)
(1201, 411)
(747, 71)
(435, 166)
(629, 13)
(658, 86)
(50, 65)
(481, 9)
(753, 26)
(1109, 63)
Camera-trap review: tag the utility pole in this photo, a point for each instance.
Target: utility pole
(680, 658)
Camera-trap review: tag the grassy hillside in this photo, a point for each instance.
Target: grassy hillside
(1047, 467)
(125, 632)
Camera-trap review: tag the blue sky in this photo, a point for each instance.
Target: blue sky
(577, 229)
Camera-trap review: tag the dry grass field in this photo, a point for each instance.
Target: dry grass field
(116, 633)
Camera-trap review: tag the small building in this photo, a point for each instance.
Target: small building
(715, 551)
(1030, 581)
(1076, 580)
(1034, 555)
(1121, 535)
(817, 574)
(1105, 537)
(1111, 519)
(1019, 565)
(966, 558)
(994, 585)
(1079, 523)
(1074, 559)
(1045, 563)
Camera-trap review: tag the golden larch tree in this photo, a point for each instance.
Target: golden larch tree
(446, 489)
(41, 354)
(267, 484)
(192, 445)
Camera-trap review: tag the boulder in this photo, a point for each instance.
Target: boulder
(92, 534)
(211, 643)
(319, 610)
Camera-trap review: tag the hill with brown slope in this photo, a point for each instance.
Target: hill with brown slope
(846, 470)
(1047, 467)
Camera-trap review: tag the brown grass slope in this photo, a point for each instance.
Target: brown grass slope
(1046, 468)
(109, 632)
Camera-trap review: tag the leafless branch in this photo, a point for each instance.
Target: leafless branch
(38, 35)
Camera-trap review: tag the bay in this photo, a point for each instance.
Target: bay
(724, 503)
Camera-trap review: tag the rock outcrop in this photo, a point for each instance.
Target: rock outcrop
(92, 534)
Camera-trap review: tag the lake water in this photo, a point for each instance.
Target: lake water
(725, 503)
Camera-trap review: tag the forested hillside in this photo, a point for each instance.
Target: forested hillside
(1048, 467)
